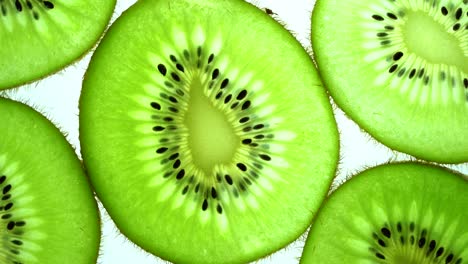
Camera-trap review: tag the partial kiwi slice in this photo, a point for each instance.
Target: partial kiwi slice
(399, 69)
(48, 213)
(394, 213)
(206, 131)
(40, 37)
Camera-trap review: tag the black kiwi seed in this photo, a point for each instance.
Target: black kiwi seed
(465, 83)
(180, 67)
(224, 83)
(155, 105)
(17, 242)
(219, 209)
(377, 17)
(205, 205)
(18, 6)
(385, 42)
(397, 55)
(393, 68)
(175, 76)
(213, 193)
(180, 174)
(215, 74)
(382, 34)
(245, 119)
(210, 58)
(386, 232)
(241, 166)
(8, 206)
(245, 105)
(412, 73)
(439, 252)
(458, 14)
(227, 99)
(392, 16)
(449, 258)
(444, 11)
(176, 164)
(48, 4)
(380, 256)
(228, 179)
(422, 242)
(10, 225)
(158, 128)
(162, 69)
(6, 189)
(382, 243)
(241, 95)
(259, 126)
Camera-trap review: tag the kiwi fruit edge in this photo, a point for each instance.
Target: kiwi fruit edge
(140, 97)
(399, 69)
(405, 212)
(42, 37)
(47, 209)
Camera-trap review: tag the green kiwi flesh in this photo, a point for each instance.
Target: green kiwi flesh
(208, 137)
(40, 37)
(399, 69)
(395, 213)
(48, 213)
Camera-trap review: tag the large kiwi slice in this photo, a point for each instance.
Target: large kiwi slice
(48, 213)
(399, 69)
(206, 131)
(39, 37)
(395, 213)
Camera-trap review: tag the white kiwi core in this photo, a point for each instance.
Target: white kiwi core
(429, 39)
(211, 136)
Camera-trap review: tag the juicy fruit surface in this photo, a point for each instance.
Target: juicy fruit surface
(397, 213)
(203, 146)
(400, 70)
(41, 37)
(47, 209)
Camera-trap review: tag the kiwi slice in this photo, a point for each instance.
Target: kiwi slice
(48, 213)
(208, 137)
(40, 37)
(399, 69)
(393, 213)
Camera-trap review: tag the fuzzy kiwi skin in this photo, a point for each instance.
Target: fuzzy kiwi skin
(34, 49)
(49, 190)
(428, 132)
(432, 197)
(118, 165)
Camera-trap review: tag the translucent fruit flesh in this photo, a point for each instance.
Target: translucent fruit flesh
(201, 144)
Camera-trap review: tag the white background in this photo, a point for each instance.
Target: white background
(57, 97)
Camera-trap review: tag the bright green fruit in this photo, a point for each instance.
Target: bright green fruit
(394, 214)
(47, 209)
(40, 37)
(206, 131)
(399, 69)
